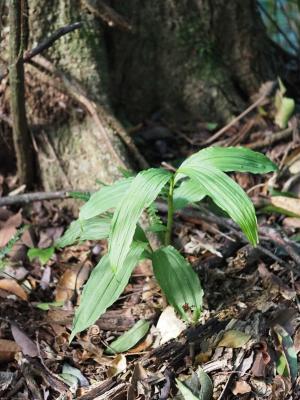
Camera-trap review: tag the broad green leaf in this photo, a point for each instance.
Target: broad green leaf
(73, 377)
(185, 391)
(206, 391)
(142, 192)
(198, 387)
(287, 364)
(70, 236)
(96, 228)
(43, 255)
(104, 199)
(227, 194)
(103, 288)
(129, 338)
(187, 193)
(229, 159)
(179, 281)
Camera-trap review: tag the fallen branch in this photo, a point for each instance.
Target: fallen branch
(275, 137)
(267, 89)
(28, 198)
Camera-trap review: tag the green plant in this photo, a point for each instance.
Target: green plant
(202, 174)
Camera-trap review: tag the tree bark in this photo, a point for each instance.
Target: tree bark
(194, 60)
(21, 137)
(189, 61)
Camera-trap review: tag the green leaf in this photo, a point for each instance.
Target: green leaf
(129, 338)
(198, 387)
(284, 106)
(179, 281)
(287, 364)
(49, 306)
(142, 192)
(104, 199)
(43, 255)
(103, 288)
(84, 196)
(206, 391)
(227, 194)
(229, 159)
(187, 193)
(4, 251)
(284, 112)
(185, 391)
(96, 228)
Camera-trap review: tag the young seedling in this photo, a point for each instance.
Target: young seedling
(200, 175)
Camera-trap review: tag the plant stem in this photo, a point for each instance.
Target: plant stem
(170, 213)
(21, 137)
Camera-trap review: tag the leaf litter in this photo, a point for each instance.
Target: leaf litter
(248, 337)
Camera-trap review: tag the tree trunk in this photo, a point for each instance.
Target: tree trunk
(198, 59)
(192, 61)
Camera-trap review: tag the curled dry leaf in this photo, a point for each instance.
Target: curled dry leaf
(261, 360)
(11, 286)
(169, 325)
(241, 387)
(280, 387)
(8, 349)
(72, 280)
(276, 284)
(118, 365)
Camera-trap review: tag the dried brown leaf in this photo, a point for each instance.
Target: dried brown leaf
(9, 228)
(241, 387)
(71, 281)
(11, 286)
(28, 347)
(8, 349)
(288, 204)
(234, 339)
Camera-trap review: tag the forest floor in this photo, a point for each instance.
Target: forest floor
(248, 337)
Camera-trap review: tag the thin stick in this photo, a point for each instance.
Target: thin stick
(275, 137)
(27, 198)
(235, 120)
(48, 42)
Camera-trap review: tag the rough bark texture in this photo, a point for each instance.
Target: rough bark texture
(198, 59)
(73, 154)
(188, 60)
